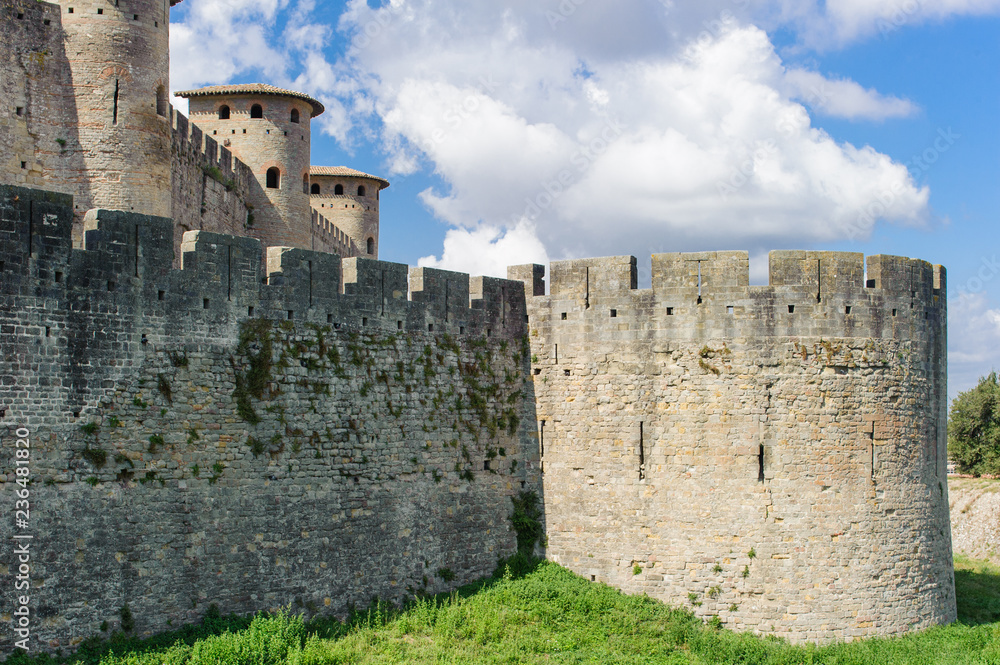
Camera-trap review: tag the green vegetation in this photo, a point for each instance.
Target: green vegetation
(974, 428)
(531, 612)
(95, 456)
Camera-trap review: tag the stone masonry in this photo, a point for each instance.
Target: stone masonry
(771, 455)
(200, 436)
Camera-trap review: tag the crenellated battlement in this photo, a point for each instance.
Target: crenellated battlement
(708, 294)
(191, 143)
(127, 263)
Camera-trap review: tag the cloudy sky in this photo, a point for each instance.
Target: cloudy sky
(533, 130)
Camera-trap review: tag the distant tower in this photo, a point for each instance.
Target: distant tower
(267, 128)
(118, 52)
(350, 200)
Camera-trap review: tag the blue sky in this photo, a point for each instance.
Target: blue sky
(535, 130)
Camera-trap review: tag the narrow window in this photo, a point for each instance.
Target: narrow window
(295, 116)
(291, 314)
(339, 191)
(371, 246)
(642, 453)
(20, 110)
(760, 463)
(160, 295)
(614, 313)
(847, 310)
(305, 184)
(224, 112)
(791, 309)
(486, 465)
(111, 286)
(161, 101)
(541, 440)
(58, 277)
(273, 178)
(566, 372)
(894, 312)
(670, 311)
(364, 320)
(729, 309)
(314, 189)
(361, 190)
(564, 316)
(430, 327)
(114, 117)
(100, 12)
(399, 325)
(256, 111)
(204, 303)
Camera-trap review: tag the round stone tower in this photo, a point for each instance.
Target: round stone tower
(118, 52)
(266, 128)
(349, 199)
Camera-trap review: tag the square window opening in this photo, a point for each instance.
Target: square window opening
(24, 165)
(563, 316)
(364, 320)
(847, 309)
(461, 330)
(100, 11)
(729, 309)
(399, 325)
(160, 295)
(894, 312)
(670, 311)
(111, 286)
(791, 309)
(566, 372)
(69, 11)
(58, 277)
(430, 327)
(291, 314)
(486, 465)
(20, 110)
(537, 371)
(204, 303)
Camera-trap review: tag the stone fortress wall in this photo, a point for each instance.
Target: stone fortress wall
(772, 455)
(200, 436)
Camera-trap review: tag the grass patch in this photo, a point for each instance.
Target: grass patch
(537, 612)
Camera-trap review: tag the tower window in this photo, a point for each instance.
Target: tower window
(161, 101)
(338, 190)
(314, 189)
(305, 183)
(295, 116)
(256, 111)
(273, 178)
(371, 245)
(223, 112)
(361, 190)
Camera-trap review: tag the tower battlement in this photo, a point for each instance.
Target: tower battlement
(708, 294)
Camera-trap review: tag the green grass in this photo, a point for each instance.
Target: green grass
(550, 615)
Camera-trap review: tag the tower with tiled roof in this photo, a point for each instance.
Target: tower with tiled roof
(349, 199)
(267, 128)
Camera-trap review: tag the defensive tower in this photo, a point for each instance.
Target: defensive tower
(350, 200)
(267, 128)
(118, 55)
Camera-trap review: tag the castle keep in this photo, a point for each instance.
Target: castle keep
(230, 400)
(87, 88)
